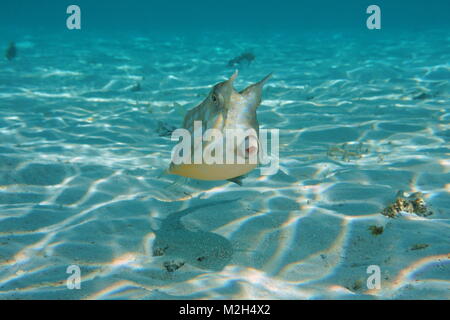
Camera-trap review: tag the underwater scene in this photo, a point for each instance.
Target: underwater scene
(348, 108)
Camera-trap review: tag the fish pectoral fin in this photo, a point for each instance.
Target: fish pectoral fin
(237, 180)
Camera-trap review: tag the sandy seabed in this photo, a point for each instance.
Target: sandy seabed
(83, 153)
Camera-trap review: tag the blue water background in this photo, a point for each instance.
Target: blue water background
(236, 15)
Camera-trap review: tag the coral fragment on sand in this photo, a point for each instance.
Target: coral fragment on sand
(412, 204)
(419, 246)
(376, 230)
(159, 251)
(347, 151)
(172, 266)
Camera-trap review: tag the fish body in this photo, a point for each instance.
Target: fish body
(224, 108)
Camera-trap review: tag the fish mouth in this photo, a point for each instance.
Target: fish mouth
(249, 147)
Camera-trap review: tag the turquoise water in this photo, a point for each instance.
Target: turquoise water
(85, 117)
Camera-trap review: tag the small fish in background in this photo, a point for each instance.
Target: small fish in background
(247, 57)
(11, 52)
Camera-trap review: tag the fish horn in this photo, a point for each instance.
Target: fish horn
(233, 77)
(258, 85)
(264, 80)
(254, 91)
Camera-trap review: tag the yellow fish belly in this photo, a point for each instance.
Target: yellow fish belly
(211, 171)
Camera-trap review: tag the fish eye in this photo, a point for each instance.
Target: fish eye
(215, 98)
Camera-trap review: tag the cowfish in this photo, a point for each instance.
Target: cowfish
(224, 108)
